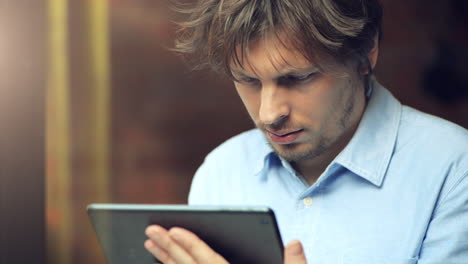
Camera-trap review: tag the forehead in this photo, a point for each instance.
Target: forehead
(269, 54)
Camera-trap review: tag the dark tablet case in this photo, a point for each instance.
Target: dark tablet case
(243, 235)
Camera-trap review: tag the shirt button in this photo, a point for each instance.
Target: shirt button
(307, 202)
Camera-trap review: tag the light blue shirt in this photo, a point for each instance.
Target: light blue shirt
(396, 194)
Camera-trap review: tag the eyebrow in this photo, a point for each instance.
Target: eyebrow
(291, 72)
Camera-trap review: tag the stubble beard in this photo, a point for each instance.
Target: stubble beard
(298, 152)
(320, 141)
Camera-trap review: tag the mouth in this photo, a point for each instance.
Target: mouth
(286, 137)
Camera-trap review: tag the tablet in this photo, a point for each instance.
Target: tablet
(242, 235)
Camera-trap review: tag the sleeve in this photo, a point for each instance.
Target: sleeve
(446, 239)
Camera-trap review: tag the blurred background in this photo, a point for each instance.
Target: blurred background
(127, 122)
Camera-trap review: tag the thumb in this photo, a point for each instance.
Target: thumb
(294, 253)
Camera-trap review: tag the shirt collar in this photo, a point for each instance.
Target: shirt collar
(369, 151)
(267, 158)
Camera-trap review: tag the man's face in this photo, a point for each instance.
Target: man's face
(302, 112)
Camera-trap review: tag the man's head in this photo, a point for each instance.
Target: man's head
(299, 66)
(218, 32)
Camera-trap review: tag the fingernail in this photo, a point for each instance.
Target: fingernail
(156, 229)
(176, 237)
(149, 244)
(153, 232)
(295, 248)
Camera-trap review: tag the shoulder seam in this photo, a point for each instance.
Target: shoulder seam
(454, 186)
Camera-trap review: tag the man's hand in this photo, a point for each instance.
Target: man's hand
(294, 253)
(180, 246)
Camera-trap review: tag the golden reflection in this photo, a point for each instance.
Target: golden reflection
(59, 207)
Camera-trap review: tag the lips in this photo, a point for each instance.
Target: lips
(284, 137)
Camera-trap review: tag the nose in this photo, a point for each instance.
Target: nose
(273, 105)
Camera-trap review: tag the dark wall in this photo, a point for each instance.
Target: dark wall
(423, 56)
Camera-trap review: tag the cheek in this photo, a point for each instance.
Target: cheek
(250, 100)
(336, 101)
(320, 104)
(317, 101)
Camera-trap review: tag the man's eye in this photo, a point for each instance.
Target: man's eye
(248, 80)
(301, 78)
(290, 80)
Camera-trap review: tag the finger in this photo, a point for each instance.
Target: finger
(199, 250)
(294, 253)
(157, 251)
(176, 254)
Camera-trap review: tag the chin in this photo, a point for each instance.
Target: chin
(298, 152)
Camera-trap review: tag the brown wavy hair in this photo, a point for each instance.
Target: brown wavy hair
(217, 33)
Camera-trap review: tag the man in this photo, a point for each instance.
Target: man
(352, 175)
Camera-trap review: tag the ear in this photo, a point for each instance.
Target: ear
(374, 53)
